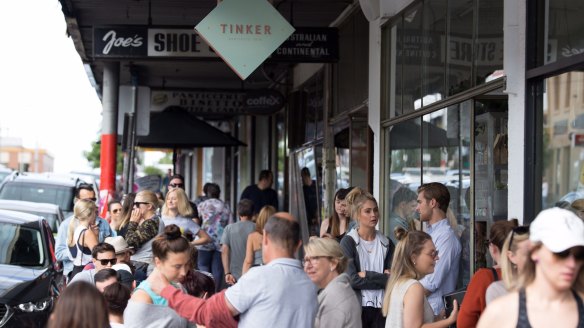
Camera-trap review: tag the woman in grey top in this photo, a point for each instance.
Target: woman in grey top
(325, 265)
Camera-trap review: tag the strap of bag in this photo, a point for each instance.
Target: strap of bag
(495, 275)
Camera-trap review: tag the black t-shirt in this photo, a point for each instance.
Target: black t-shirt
(260, 198)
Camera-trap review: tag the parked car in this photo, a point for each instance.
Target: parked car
(51, 212)
(41, 188)
(31, 279)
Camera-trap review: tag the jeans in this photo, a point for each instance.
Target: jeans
(210, 261)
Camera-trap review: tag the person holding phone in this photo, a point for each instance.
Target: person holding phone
(405, 303)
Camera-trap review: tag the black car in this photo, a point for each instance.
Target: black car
(31, 279)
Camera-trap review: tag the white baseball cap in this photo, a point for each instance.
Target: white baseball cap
(558, 229)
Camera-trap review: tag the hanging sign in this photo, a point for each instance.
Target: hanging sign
(244, 33)
(310, 45)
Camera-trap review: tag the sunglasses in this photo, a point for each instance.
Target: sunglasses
(520, 230)
(106, 261)
(117, 210)
(577, 252)
(140, 203)
(176, 185)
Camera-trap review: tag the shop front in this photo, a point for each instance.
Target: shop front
(444, 116)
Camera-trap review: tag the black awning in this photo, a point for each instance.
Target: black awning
(176, 128)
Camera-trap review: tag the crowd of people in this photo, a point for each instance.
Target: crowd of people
(177, 263)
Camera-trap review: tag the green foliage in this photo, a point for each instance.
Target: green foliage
(93, 157)
(167, 159)
(152, 170)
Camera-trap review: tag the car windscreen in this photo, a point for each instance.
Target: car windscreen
(3, 175)
(40, 193)
(21, 245)
(51, 219)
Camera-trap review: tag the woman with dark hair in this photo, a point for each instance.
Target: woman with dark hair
(127, 206)
(199, 284)
(550, 287)
(405, 303)
(172, 254)
(80, 305)
(369, 253)
(475, 298)
(325, 265)
(337, 225)
(116, 297)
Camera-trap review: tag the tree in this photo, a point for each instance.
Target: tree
(93, 157)
(152, 170)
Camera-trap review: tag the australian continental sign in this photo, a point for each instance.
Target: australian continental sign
(202, 103)
(306, 44)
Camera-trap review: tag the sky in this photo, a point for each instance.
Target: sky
(45, 95)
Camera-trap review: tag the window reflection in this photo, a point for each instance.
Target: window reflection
(563, 140)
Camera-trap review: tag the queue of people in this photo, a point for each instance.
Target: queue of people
(157, 267)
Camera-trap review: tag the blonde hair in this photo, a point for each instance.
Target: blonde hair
(147, 196)
(410, 245)
(82, 211)
(263, 217)
(183, 206)
(356, 199)
(508, 269)
(329, 248)
(578, 205)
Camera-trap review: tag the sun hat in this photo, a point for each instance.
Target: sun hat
(119, 244)
(558, 229)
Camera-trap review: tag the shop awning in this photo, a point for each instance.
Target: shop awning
(176, 128)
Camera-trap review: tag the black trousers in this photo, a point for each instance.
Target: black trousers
(372, 317)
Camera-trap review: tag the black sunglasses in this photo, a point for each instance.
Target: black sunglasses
(116, 210)
(577, 252)
(176, 185)
(106, 261)
(140, 203)
(520, 230)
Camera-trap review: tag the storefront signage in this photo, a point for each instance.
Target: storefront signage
(252, 102)
(141, 41)
(310, 45)
(578, 140)
(244, 33)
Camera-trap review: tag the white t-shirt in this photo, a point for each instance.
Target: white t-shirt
(371, 259)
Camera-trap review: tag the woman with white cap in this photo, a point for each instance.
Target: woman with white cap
(552, 281)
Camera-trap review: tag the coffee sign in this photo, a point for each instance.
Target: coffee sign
(213, 103)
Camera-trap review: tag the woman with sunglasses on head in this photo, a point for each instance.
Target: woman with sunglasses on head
(474, 302)
(177, 210)
(325, 264)
(369, 253)
(550, 288)
(144, 225)
(172, 255)
(405, 303)
(513, 257)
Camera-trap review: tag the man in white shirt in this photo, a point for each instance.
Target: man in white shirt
(433, 200)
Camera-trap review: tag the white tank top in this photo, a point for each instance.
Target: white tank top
(395, 316)
(83, 254)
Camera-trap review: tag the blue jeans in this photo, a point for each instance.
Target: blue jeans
(210, 261)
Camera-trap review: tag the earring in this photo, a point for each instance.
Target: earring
(414, 262)
(332, 269)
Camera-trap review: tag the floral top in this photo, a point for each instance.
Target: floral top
(215, 215)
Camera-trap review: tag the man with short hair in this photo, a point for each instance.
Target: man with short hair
(83, 191)
(261, 194)
(433, 199)
(404, 204)
(104, 257)
(276, 293)
(104, 278)
(234, 241)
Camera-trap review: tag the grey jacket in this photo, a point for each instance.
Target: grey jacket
(142, 315)
(338, 305)
(372, 280)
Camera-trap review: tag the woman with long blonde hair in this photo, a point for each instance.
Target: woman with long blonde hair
(82, 234)
(177, 210)
(369, 253)
(404, 303)
(253, 249)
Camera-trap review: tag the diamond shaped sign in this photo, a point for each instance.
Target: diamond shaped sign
(244, 33)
